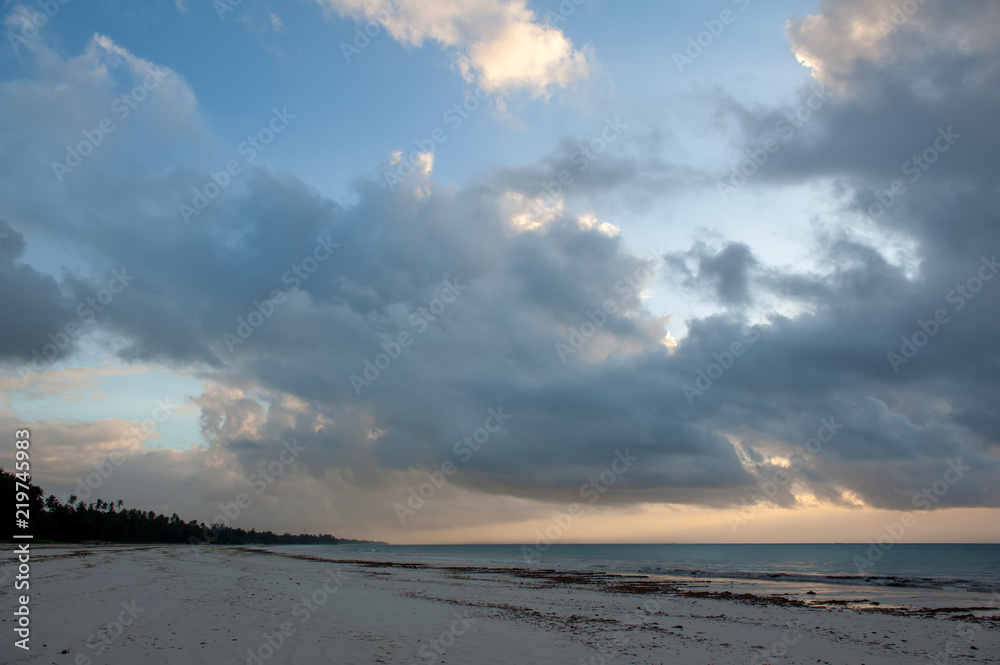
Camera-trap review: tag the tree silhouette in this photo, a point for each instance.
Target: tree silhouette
(75, 521)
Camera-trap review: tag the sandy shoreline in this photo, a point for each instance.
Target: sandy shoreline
(178, 604)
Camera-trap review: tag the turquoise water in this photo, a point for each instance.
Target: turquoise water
(927, 574)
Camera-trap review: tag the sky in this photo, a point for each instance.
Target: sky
(480, 270)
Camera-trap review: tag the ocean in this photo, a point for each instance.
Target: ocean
(904, 575)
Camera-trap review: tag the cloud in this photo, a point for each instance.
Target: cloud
(726, 271)
(30, 297)
(525, 289)
(874, 278)
(499, 44)
(847, 35)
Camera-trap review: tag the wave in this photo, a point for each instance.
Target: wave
(508, 556)
(951, 584)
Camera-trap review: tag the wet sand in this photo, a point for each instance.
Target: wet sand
(182, 604)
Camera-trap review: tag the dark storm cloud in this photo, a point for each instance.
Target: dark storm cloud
(33, 303)
(726, 272)
(522, 293)
(919, 111)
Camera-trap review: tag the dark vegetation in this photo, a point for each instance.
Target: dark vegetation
(110, 522)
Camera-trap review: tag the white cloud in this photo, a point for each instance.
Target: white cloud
(846, 33)
(498, 43)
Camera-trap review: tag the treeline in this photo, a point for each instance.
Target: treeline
(77, 521)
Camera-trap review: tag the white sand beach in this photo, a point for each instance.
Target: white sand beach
(185, 605)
